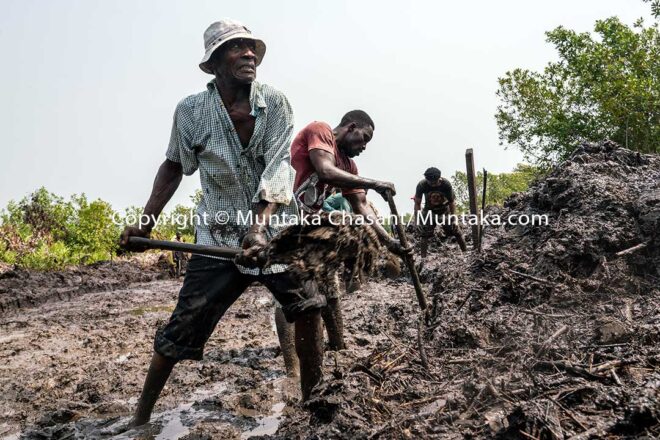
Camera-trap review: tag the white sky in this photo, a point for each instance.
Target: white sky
(88, 88)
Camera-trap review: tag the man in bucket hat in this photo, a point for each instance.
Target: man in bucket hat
(237, 133)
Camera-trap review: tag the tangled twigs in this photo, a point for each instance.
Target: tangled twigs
(548, 341)
(420, 343)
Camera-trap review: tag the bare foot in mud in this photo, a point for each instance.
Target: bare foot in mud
(124, 425)
(119, 427)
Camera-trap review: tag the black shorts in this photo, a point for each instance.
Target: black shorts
(210, 287)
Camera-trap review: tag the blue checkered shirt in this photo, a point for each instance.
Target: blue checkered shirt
(233, 177)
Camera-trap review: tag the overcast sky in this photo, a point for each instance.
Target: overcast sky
(88, 88)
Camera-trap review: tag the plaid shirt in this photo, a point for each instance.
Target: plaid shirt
(233, 177)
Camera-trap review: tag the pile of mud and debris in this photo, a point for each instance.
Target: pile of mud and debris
(20, 288)
(552, 332)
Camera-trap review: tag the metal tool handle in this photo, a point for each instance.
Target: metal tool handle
(421, 298)
(199, 249)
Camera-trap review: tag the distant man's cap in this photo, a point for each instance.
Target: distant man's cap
(432, 172)
(225, 30)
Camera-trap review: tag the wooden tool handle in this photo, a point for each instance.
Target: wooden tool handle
(421, 298)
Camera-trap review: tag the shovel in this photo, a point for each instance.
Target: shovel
(421, 298)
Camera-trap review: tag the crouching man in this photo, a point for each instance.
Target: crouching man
(237, 133)
(323, 159)
(439, 208)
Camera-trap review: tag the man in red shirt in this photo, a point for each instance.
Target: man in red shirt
(322, 157)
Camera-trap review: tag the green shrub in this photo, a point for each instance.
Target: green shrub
(47, 257)
(43, 231)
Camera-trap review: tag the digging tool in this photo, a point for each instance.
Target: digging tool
(421, 298)
(199, 249)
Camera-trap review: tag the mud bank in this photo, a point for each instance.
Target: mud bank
(21, 288)
(552, 332)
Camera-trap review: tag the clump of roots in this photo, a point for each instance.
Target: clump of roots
(318, 250)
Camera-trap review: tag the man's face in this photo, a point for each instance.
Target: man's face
(432, 180)
(355, 139)
(237, 61)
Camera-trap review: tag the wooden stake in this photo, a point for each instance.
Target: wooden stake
(483, 208)
(472, 191)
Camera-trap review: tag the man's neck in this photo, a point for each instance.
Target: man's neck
(231, 92)
(335, 133)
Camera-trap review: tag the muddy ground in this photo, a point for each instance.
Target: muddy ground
(73, 367)
(550, 333)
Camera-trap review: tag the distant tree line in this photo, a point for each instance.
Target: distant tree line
(498, 186)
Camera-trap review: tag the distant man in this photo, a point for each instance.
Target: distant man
(237, 133)
(439, 201)
(323, 159)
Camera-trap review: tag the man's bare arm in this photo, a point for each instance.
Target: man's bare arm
(418, 207)
(255, 240)
(324, 164)
(167, 181)
(262, 214)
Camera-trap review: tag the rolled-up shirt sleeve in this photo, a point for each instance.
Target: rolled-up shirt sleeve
(180, 148)
(276, 182)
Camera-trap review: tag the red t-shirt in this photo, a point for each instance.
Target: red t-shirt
(307, 188)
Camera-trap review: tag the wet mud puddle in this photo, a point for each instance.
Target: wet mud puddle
(74, 370)
(180, 421)
(202, 412)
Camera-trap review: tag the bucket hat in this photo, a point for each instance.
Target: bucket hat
(225, 30)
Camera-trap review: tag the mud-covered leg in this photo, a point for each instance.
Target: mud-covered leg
(334, 324)
(455, 230)
(461, 241)
(309, 338)
(286, 335)
(159, 371)
(424, 246)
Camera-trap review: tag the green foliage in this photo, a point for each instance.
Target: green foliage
(196, 197)
(47, 257)
(91, 232)
(39, 214)
(6, 255)
(178, 220)
(604, 86)
(498, 186)
(655, 7)
(43, 231)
